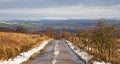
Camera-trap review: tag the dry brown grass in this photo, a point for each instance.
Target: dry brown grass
(12, 44)
(103, 56)
(118, 42)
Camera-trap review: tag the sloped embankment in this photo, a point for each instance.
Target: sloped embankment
(16, 47)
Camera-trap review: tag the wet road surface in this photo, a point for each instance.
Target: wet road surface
(57, 52)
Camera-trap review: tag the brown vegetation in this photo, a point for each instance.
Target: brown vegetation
(12, 44)
(100, 41)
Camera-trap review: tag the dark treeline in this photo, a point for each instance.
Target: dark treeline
(99, 41)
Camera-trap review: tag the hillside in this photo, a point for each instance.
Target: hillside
(12, 44)
(70, 25)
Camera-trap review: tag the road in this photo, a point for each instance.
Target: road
(57, 52)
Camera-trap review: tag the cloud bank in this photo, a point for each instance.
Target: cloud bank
(59, 9)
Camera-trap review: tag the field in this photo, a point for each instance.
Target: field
(12, 44)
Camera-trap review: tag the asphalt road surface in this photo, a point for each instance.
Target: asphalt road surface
(57, 52)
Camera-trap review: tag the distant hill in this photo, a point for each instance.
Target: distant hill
(68, 21)
(40, 25)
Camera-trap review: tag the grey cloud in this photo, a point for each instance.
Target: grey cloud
(54, 3)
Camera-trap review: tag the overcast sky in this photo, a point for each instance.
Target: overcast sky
(59, 9)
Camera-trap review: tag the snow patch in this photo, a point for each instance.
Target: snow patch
(56, 53)
(96, 62)
(83, 54)
(25, 55)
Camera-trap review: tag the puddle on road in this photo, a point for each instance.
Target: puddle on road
(56, 53)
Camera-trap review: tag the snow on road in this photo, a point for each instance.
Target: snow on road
(56, 53)
(25, 55)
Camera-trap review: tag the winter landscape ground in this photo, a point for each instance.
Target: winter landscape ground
(59, 31)
(98, 44)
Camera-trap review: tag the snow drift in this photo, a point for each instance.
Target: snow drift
(25, 55)
(83, 54)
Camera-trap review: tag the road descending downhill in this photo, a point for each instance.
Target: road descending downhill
(57, 52)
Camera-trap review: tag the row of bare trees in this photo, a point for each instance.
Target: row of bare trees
(103, 37)
(99, 41)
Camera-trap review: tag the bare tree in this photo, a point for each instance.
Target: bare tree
(21, 29)
(50, 32)
(103, 37)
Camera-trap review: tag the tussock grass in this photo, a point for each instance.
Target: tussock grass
(12, 44)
